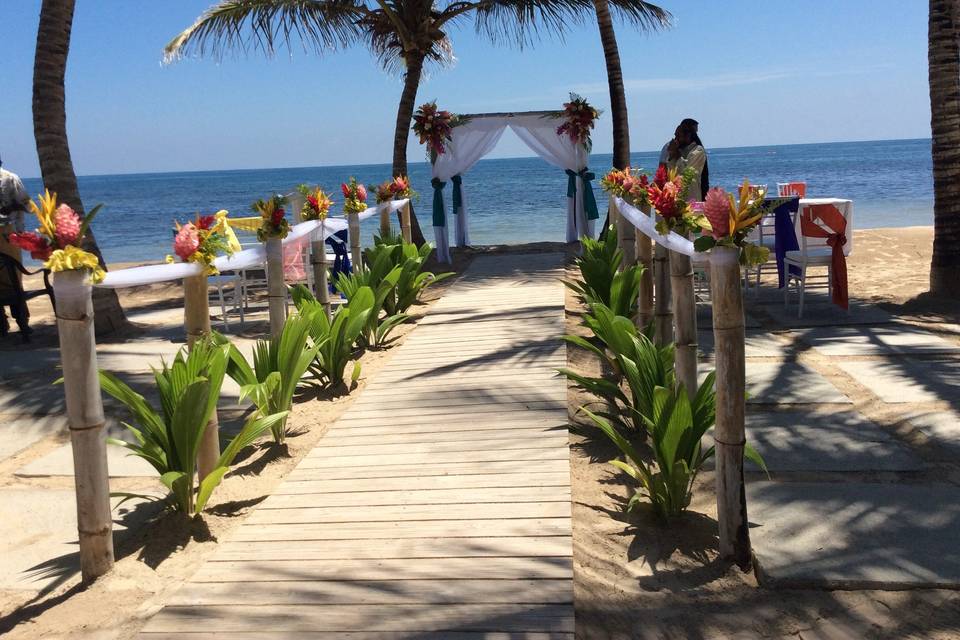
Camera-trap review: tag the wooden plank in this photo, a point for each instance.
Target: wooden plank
(499, 408)
(533, 454)
(454, 482)
(399, 497)
(395, 530)
(400, 429)
(428, 470)
(413, 548)
(555, 394)
(548, 591)
(359, 635)
(503, 443)
(407, 618)
(389, 436)
(387, 569)
(389, 513)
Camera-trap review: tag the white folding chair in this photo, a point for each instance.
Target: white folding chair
(814, 252)
(221, 282)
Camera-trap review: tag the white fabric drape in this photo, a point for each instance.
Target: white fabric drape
(470, 142)
(254, 256)
(540, 134)
(647, 225)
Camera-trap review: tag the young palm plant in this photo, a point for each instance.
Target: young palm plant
(404, 35)
(169, 439)
(278, 366)
(335, 338)
(601, 279)
(413, 279)
(381, 277)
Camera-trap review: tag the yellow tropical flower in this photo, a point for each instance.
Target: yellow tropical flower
(748, 211)
(45, 212)
(72, 258)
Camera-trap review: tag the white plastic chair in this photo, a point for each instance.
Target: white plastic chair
(220, 283)
(814, 252)
(792, 189)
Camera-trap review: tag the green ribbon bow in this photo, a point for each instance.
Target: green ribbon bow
(439, 216)
(589, 200)
(457, 181)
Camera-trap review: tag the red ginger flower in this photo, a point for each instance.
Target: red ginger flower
(716, 206)
(277, 217)
(345, 188)
(361, 193)
(206, 222)
(660, 178)
(37, 245)
(67, 225)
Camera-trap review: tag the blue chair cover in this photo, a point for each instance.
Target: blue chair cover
(341, 261)
(785, 235)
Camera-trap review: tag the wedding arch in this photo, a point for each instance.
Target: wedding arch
(457, 142)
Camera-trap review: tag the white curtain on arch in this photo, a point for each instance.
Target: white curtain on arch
(470, 142)
(540, 134)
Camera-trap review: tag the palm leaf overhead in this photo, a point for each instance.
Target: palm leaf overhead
(403, 35)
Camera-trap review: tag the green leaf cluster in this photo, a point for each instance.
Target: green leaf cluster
(170, 439)
(601, 278)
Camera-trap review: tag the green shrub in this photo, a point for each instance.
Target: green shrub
(413, 279)
(169, 440)
(602, 281)
(381, 277)
(639, 366)
(336, 337)
(278, 366)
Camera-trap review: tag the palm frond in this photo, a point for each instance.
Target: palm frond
(261, 25)
(644, 15)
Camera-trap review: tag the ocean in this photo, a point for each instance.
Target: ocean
(511, 201)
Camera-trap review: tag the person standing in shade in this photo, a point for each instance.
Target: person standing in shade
(686, 151)
(13, 205)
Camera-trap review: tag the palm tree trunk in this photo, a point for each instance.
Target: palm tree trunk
(50, 131)
(943, 54)
(411, 83)
(618, 114)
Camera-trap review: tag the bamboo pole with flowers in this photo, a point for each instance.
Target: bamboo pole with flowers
(729, 223)
(316, 206)
(668, 196)
(201, 241)
(273, 229)
(57, 242)
(396, 189)
(631, 186)
(354, 203)
(644, 253)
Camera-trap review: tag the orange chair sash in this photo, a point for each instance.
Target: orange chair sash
(835, 234)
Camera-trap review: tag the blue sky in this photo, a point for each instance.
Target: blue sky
(752, 73)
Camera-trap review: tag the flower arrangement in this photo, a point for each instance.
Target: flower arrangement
(668, 196)
(201, 241)
(316, 203)
(728, 222)
(579, 116)
(396, 189)
(434, 127)
(629, 184)
(354, 196)
(57, 241)
(273, 223)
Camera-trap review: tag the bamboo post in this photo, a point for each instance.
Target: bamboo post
(625, 235)
(353, 223)
(728, 336)
(644, 253)
(405, 228)
(685, 321)
(662, 313)
(196, 321)
(384, 222)
(276, 288)
(318, 251)
(88, 434)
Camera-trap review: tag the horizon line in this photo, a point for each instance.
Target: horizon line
(379, 164)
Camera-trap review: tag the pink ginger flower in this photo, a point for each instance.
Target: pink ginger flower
(361, 193)
(67, 225)
(186, 242)
(716, 206)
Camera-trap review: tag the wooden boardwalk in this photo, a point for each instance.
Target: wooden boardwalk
(438, 506)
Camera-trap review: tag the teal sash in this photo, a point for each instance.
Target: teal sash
(439, 215)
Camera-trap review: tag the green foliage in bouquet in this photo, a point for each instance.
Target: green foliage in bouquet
(170, 439)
